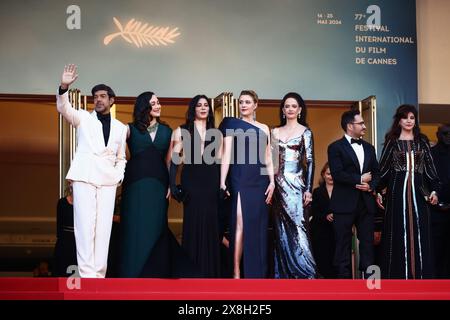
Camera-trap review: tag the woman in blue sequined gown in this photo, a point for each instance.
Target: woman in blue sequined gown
(292, 147)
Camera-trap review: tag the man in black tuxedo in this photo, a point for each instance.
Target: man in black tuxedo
(354, 168)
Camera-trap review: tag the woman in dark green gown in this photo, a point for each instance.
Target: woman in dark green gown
(144, 192)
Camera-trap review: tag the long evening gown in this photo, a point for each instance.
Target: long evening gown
(407, 169)
(293, 257)
(248, 180)
(201, 183)
(144, 203)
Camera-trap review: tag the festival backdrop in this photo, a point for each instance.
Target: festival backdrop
(323, 49)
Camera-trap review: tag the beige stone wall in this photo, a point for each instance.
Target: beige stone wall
(433, 46)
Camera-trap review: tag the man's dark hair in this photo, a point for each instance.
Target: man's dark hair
(348, 117)
(102, 86)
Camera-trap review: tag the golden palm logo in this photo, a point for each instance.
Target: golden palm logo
(139, 34)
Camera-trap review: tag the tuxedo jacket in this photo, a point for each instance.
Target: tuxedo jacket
(94, 162)
(346, 173)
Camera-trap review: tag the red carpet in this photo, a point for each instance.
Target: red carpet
(220, 289)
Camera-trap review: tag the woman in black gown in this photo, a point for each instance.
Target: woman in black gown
(407, 170)
(251, 187)
(199, 190)
(322, 232)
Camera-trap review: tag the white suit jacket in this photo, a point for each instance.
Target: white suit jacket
(93, 162)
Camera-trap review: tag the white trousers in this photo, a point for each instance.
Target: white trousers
(93, 214)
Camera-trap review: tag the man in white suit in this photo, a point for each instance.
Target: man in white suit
(96, 171)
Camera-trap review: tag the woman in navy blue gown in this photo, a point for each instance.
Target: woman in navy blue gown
(251, 186)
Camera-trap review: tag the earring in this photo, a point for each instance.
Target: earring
(299, 115)
(284, 116)
(254, 115)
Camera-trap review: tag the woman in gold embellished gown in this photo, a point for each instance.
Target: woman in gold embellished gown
(292, 146)
(407, 170)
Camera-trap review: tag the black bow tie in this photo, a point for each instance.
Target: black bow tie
(358, 141)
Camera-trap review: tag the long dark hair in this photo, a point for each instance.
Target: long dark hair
(402, 113)
(141, 112)
(190, 114)
(301, 104)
